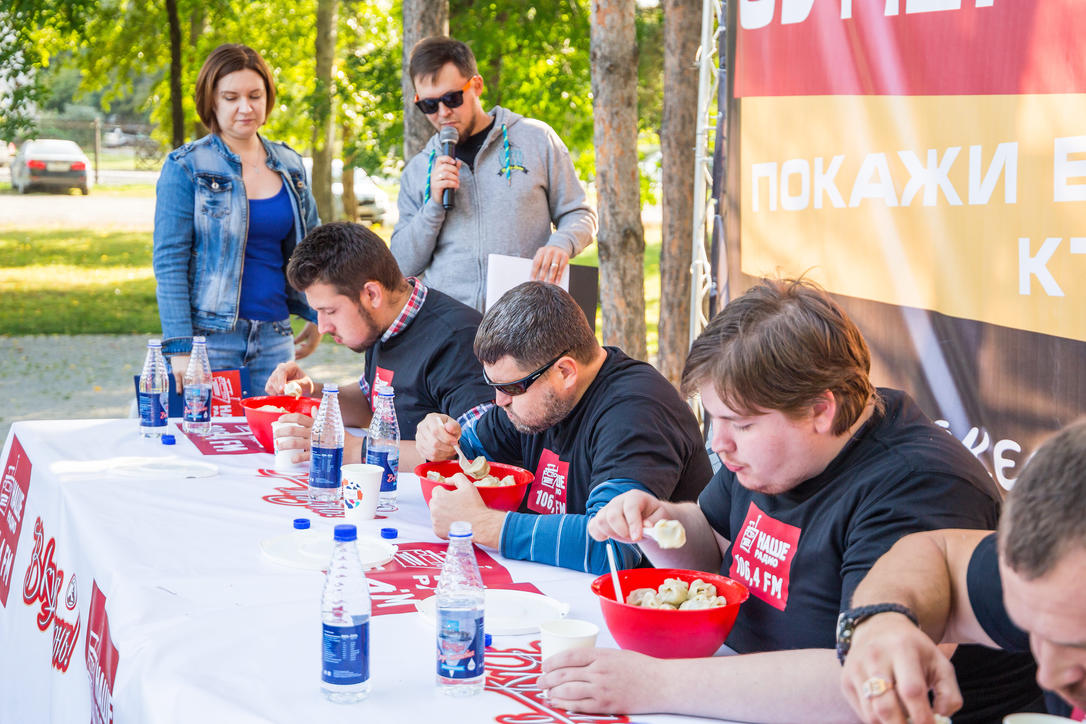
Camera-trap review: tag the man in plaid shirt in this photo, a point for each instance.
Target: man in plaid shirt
(416, 339)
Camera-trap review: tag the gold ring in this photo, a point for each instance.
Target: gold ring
(876, 686)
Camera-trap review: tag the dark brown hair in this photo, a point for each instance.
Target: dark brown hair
(778, 347)
(533, 323)
(1043, 517)
(431, 54)
(346, 256)
(224, 60)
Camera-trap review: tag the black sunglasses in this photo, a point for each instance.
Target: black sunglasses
(519, 387)
(452, 99)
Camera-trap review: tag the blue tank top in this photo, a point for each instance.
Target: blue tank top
(263, 278)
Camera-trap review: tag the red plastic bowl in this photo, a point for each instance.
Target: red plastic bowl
(260, 420)
(662, 632)
(506, 497)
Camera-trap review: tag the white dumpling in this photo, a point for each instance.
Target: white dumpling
(673, 591)
(701, 589)
(636, 596)
(457, 479)
(435, 476)
(651, 600)
(693, 603)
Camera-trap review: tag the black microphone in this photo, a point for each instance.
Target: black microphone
(448, 138)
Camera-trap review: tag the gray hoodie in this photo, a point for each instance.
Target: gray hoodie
(522, 194)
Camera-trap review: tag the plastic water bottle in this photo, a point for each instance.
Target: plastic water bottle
(154, 392)
(460, 601)
(345, 621)
(326, 459)
(383, 444)
(198, 390)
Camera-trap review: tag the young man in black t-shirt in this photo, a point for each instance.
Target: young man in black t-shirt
(1026, 590)
(588, 421)
(415, 339)
(820, 474)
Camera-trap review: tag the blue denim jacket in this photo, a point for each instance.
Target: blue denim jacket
(201, 226)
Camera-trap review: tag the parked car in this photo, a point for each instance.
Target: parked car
(50, 163)
(373, 203)
(117, 137)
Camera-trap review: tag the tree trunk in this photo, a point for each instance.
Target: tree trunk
(421, 19)
(682, 20)
(621, 237)
(350, 201)
(177, 111)
(323, 118)
(197, 27)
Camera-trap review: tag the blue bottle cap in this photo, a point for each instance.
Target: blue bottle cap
(487, 640)
(301, 523)
(168, 439)
(346, 532)
(389, 533)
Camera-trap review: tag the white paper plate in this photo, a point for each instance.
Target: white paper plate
(509, 612)
(163, 468)
(312, 549)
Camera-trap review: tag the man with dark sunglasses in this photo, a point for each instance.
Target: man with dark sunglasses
(515, 189)
(588, 421)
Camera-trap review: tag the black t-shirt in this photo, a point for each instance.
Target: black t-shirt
(431, 363)
(468, 148)
(630, 424)
(985, 585)
(803, 552)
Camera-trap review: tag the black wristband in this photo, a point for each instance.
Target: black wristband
(850, 619)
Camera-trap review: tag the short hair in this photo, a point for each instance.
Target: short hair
(779, 347)
(431, 54)
(533, 323)
(224, 60)
(346, 256)
(1044, 513)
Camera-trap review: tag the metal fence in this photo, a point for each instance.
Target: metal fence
(110, 146)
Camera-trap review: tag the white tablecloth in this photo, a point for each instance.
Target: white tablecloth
(131, 599)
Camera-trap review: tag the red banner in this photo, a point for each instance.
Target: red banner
(14, 487)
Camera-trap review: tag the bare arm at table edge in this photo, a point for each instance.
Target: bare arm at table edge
(774, 686)
(928, 573)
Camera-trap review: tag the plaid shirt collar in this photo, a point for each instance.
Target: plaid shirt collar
(409, 311)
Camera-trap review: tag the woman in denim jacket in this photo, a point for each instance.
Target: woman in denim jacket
(229, 210)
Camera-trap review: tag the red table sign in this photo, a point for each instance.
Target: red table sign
(226, 438)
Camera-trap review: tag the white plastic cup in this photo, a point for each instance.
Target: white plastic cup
(361, 489)
(283, 458)
(1031, 718)
(566, 633)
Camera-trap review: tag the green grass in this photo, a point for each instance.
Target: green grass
(76, 282)
(101, 282)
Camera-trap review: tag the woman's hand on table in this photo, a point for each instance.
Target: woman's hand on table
(606, 681)
(306, 341)
(295, 435)
(178, 364)
(436, 435)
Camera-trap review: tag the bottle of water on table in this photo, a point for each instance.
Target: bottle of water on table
(198, 390)
(383, 444)
(460, 603)
(326, 450)
(153, 392)
(345, 623)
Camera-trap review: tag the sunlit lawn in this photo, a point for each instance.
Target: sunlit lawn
(76, 282)
(101, 282)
